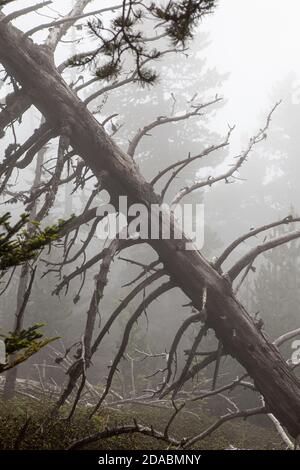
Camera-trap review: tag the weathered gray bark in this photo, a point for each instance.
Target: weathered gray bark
(31, 66)
(16, 105)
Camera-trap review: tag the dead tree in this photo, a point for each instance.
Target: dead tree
(32, 68)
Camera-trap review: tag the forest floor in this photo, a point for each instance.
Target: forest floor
(21, 420)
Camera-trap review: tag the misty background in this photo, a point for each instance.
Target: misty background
(247, 52)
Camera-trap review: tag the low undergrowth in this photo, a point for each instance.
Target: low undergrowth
(24, 425)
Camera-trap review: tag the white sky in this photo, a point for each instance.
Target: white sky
(258, 41)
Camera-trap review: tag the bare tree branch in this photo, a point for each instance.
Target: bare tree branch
(72, 18)
(259, 249)
(121, 430)
(161, 120)
(223, 257)
(286, 337)
(260, 136)
(16, 14)
(230, 416)
(133, 319)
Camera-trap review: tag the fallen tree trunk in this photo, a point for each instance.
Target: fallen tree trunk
(33, 68)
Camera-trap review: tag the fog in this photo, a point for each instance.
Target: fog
(247, 53)
(257, 42)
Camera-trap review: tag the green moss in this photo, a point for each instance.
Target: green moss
(59, 433)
